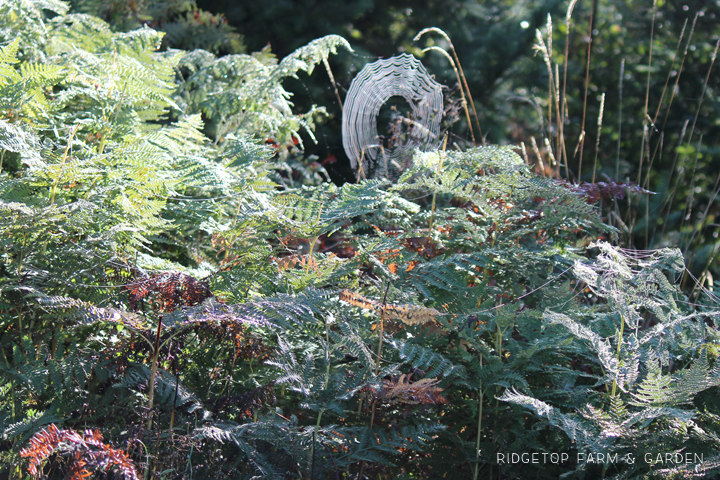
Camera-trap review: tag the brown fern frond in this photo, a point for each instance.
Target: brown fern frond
(42, 445)
(287, 263)
(424, 246)
(76, 469)
(389, 255)
(85, 451)
(357, 300)
(407, 314)
(402, 390)
(247, 345)
(168, 291)
(410, 314)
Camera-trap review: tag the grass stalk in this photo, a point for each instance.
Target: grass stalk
(647, 90)
(700, 226)
(669, 200)
(711, 259)
(617, 153)
(702, 94)
(643, 150)
(467, 88)
(599, 130)
(462, 90)
(680, 70)
(647, 196)
(646, 186)
(667, 110)
(553, 91)
(380, 331)
(462, 76)
(553, 161)
(586, 86)
(690, 200)
(563, 99)
(536, 150)
(498, 348)
(670, 71)
(548, 63)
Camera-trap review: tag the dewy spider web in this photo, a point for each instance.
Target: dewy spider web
(402, 76)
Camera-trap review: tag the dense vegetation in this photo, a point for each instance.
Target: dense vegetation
(184, 293)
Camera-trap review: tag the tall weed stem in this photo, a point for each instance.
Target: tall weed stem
(620, 342)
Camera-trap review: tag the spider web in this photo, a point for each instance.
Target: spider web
(401, 76)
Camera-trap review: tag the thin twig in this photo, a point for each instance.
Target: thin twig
(334, 83)
(617, 155)
(587, 84)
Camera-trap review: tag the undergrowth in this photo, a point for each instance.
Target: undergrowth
(183, 295)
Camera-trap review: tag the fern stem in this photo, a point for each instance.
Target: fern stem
(172, 415)
(153, 373)
(498, 348)
(12, 386)
(322, 410)
(432, 211)
(620, 340)
(312, 454)
(380, 331)
(151, 393)
(479, 427)
(377, 368)
(62, 163)
(327, 354)
(312, 244)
